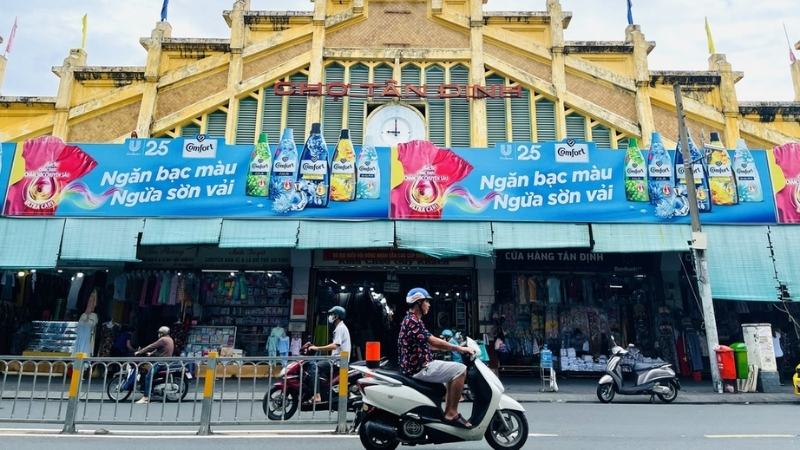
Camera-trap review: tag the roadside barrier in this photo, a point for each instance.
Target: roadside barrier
(194, 392)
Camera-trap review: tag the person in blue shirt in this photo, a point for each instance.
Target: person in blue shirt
(448, 336)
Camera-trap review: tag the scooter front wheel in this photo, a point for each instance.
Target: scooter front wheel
(115, 390)
(508, 430)
(605, 392)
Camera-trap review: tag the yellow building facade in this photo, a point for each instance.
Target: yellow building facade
(597, 91)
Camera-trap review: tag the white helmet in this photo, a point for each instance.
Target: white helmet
(163, 330)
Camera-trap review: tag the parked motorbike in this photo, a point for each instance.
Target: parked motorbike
(170, 382)
(401, 410)
(284, 398)
(656, 379)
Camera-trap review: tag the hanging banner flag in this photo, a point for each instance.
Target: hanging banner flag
(83, 31)
(630, 13)
(164, 10)
(711, 49)
(11, 36)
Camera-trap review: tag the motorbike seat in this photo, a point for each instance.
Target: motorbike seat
(432, 390)
(638, 367)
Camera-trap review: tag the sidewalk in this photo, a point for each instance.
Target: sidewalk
(584, 390)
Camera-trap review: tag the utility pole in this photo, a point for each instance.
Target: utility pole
(699, 245)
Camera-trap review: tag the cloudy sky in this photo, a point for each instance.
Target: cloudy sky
(751, 36)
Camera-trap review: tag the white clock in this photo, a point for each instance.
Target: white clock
(395, 124)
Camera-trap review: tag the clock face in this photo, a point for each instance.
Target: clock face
(395, 124)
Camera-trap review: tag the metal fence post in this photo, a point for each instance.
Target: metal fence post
(74, 388)
(208, 394)
(344, 367)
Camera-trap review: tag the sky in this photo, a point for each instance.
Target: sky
(752, 37)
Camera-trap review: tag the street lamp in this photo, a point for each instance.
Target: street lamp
(699, 245)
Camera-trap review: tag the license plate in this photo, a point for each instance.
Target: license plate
(188, 375)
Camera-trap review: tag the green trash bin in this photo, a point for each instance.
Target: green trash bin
(740, 357)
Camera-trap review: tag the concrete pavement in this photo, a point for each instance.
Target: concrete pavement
(584, 390)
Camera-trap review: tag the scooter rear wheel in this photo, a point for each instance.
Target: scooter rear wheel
(673, 393)
(114, 388)
(605, 392)
(374, 442)
(278, 407)
(511, 437)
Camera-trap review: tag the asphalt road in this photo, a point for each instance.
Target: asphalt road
(553, 426)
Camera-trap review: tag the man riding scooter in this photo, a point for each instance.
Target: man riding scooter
(341, 343)
(416, 360)
(163, 347)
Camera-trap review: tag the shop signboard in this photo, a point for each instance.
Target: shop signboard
(210, 257)
(575, 260)
(567, 181)
(385, 258)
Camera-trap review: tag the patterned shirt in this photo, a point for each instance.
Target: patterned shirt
(413, 350)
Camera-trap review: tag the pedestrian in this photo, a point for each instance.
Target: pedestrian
(776, 344)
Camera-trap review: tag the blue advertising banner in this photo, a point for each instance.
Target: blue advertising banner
(6, 157)
(557, 182)
(197, 177)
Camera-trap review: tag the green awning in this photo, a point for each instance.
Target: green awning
(445, 239)
(101, 239)
(30, 243)
(517, 235)
(329, 234)
(640, 238)
(740, 264)
(181, 231)
(258, 233)
(785, 242)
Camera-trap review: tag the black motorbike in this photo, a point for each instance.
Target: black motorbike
(656, 379)
(170, 382)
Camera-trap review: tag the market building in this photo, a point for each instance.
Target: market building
(449, 73)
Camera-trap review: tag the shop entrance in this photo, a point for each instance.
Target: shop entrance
(375, 304)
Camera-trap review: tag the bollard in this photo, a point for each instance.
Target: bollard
(208, 395)
(74, 389)
(373, 355)
(344, 367)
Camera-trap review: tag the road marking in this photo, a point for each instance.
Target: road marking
(749, 436)
(541, 435)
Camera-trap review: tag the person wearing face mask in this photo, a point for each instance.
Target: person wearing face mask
(341, 343)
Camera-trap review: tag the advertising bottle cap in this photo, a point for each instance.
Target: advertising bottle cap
(715, 136)
(262, 138)
(345, 134)
(633, 142)
(368, 141)
(740, 143)
(315, 128)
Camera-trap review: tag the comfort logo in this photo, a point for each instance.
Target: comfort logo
(570, 151)
(200, 147)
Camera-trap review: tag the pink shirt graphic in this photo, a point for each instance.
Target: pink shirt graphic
(787, 200)
(428, 172)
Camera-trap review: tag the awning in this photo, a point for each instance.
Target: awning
(740, 264)
(329, 234)
(30, 243)
(785, 248)
(181, 231)
(516, 235)
(640, 238)
(445, 239)
(258, 233)
(101, 239)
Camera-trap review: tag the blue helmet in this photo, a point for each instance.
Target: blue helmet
(447, 333)
(416, 295)
(339, 311)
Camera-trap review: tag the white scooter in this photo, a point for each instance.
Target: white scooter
(401, 410)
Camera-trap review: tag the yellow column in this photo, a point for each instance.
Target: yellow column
(314, 105)
(727, 92)
(644, 109)
(76, 58)
(559, 76)
(239, 37)
(152, 73)
(3, 62)
(479, 126)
